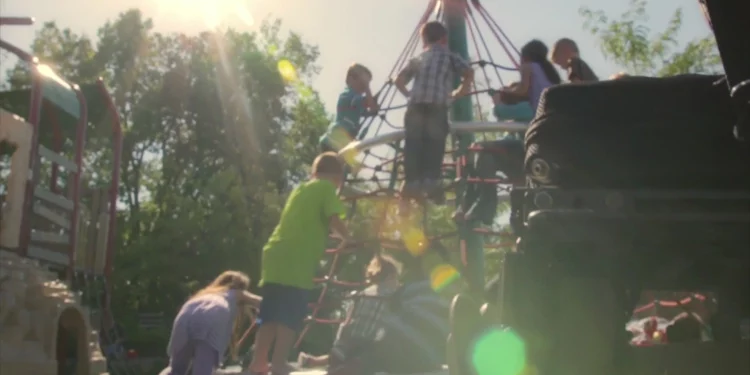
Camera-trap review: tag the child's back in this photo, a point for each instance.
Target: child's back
(293, 251)
(434, 72)
(291, 257)
(204, 311)
(426, 118)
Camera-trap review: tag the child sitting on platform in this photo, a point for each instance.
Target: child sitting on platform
(565, 54)
(353, 103)
(537, 74)
(507, 154)
(204, 326)
(520, 112)
(290, 260)
(426, 119)
(352, 351)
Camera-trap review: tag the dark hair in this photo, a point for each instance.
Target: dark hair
(380, 268)
(433, 31)
(536, 51)
(327, 163)
(356, 69)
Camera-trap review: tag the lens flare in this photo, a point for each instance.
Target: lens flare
(499, 352)
(287, 71)
(350, 157)
(414, 240)
(442, 276)
(338, 138)
(212, 14)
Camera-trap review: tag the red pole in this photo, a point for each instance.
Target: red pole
(34, 118)
(115, 184)
(79, 145)
(58, 137)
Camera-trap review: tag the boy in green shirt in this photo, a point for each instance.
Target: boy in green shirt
(290, 260)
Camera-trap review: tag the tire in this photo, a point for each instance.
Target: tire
(637, 132)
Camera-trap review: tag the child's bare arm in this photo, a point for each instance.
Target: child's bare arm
(338, 227)
(403, 78)
(370, 102)
(467, 79)
(462, 67)
(249, 298)
(522, 88)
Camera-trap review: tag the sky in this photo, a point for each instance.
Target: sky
(369, 32)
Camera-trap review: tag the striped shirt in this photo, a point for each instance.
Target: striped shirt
(206, 318)
(434, 72)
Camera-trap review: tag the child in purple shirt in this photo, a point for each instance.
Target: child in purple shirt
(203, 328)
(537, 74)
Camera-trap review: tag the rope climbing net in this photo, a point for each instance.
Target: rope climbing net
(376, 158)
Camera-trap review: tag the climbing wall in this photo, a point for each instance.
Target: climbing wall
(43, 327)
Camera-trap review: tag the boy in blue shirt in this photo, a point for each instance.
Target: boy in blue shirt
(353, 103)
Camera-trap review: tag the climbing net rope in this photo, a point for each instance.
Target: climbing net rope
(378, 147)
(376, 157)
(377, 173)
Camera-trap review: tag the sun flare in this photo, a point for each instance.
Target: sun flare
(211, 13)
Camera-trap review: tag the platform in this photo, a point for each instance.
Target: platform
(455, 127)
(235, 370)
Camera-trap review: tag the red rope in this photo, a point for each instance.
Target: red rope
(681, 302)
(388, 96)
(488, 19)
(479, 56)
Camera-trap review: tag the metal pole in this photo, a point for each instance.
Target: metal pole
(454, 17)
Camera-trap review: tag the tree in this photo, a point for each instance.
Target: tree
(211, 130)
(629, 43)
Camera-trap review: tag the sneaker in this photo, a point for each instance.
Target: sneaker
(433, 189)
(303, 359)
(410, 189)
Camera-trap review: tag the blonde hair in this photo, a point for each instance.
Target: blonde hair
(562, 43)
(230, 280)
(380, 268)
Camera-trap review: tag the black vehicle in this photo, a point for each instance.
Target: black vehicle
(632, 185)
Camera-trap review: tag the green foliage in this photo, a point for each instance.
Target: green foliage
(629, 43)
(214, 138)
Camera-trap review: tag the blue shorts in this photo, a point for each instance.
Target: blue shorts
(283, 304)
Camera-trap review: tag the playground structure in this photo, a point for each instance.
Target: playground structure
(46, 227)
(56, 236)
(591, 326)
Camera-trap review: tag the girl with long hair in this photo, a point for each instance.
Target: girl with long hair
(208, 323)
(537, 73)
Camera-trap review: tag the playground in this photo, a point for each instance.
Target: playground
(600, 249)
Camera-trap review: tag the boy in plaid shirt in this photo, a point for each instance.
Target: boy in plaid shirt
(426, 121)
(352, 351)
